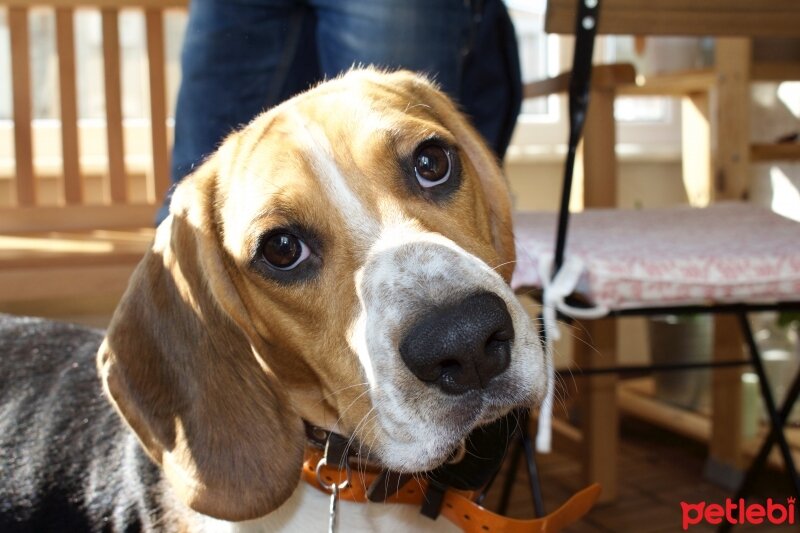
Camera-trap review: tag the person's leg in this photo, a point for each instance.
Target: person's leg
(239, 58)
(468, 47)
(491, 91)
(430, 36)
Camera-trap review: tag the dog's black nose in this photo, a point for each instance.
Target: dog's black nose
(461, 346)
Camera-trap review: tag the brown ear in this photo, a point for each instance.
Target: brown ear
(495, 187)
(179, 366)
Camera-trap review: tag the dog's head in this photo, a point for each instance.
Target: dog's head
(343, 259)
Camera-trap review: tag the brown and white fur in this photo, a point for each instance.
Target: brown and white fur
(213, 359)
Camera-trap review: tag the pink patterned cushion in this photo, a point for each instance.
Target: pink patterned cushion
(681, 256)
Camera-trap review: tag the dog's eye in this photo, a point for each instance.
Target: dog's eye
(284, 251)
(432, 165)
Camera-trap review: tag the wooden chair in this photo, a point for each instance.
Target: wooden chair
(77, 247)
(735, 24)
(725, 178)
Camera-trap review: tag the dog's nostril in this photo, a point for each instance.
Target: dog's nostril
(493, 345)
(449, 366)
(497, 358)
(501, 335)
(452, 376)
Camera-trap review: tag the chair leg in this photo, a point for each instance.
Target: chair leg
(777, 419)
(725, 449)
(763, 453)
(533, 470)
(511, 476)
(597, 346)
(523, 446)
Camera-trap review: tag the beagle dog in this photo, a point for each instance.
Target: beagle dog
(342, 260)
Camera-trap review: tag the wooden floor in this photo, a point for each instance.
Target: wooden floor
(658, 470)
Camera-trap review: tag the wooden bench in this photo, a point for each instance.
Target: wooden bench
(80, 245)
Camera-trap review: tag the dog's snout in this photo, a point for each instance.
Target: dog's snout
(461, 346)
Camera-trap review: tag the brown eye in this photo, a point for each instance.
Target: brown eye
(432, 165)
(284, 251)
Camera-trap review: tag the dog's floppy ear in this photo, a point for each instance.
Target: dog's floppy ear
(179, 364)
(492, 181)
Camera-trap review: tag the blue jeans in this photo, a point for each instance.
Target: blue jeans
(241, 57)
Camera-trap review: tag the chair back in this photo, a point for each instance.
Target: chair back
(118, 209)
(745, 18)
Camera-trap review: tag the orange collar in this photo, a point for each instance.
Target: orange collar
(457, 507)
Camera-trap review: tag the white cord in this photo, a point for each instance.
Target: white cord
(554, 293)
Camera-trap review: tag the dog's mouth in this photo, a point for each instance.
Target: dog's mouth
(434, 455)
(451, 451)
(424, 445)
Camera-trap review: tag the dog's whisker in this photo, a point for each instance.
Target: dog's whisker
(339, 391)
(349, 406)
(503, 264)
(350, 441)
(365, 463)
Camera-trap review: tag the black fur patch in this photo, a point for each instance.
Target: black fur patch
(67, 461)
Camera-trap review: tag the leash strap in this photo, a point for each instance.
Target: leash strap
(586, 18)
(457, 506)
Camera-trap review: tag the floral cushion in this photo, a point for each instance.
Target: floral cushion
(730, 252)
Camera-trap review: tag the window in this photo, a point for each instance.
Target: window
(649, 126)
(540, 123)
